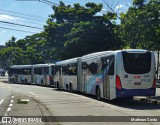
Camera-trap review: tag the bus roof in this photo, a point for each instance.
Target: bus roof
(134, 50)
(51, 64)
(104, 53)
(21, 66)
(73, 60)
(40, 65)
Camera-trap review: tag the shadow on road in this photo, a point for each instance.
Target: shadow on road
(130, 104)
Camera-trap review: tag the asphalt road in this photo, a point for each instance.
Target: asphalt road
(5, 92)
(62, 103)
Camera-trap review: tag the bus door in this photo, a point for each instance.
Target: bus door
(46, 76)
(79, 74)
(60, 78)
(108, 76)
(84, 77)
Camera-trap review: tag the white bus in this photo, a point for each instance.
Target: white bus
(66, 74)
(20, 74)
(43, 74)
(110, 74)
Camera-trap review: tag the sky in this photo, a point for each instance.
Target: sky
(21, 18)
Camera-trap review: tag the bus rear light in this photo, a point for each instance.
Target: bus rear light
(154, 83)
(137, 77)
(118, 82)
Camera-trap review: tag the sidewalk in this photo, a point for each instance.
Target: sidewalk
(27, 111)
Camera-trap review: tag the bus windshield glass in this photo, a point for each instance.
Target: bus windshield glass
(137, 63)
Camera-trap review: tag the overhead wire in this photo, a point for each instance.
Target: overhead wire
(46, 1)
(34, 16)
(17, 30)
(43, 1)
(26, 21)
(39, 20)
(20, 25)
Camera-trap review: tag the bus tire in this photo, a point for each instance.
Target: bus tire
(13, 80)
(58, 85)
(98, 95)
(67, 87)
(25, 81)
(42, 83)
(70, 87)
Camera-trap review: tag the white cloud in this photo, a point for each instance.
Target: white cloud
(3, 31)
(104, 9)
(5, 17)
(118, 7)
(122, 8)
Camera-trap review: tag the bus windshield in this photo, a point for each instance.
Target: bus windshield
(137, 63)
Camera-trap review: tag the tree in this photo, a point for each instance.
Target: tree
(11, 42)
(140, 25)
(78, 30)
(12, 56)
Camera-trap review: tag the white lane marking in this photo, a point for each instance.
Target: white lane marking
(9, 109)
(10, 105)
(12, 101)
(12, 97)
(1, 101)
(33, 94)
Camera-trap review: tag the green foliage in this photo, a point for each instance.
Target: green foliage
(140, 25)
(11, 42)
(75, 31)
(11, 55)
(138, 3)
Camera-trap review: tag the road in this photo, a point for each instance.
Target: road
(53, 102)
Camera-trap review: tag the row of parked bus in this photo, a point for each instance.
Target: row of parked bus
(107, 74)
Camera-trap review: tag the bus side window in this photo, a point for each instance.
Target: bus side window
(57, 69)
(46, 70)
(38, 71)
(111, 66)
(65, 69)
(53, 70)
(72, 70)
(84, 65)
(93, 67)
(105, 62)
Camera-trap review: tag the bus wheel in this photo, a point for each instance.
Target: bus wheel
(67, 87)
(98, 97)
(58, 85)
(13, 80)
(70, 87)
(25, 81)
(42, 83)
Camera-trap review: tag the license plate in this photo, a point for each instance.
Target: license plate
(137, 83)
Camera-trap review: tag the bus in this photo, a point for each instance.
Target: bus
(43, 74)
(109, 74)
(66, 74)
(20, 74)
